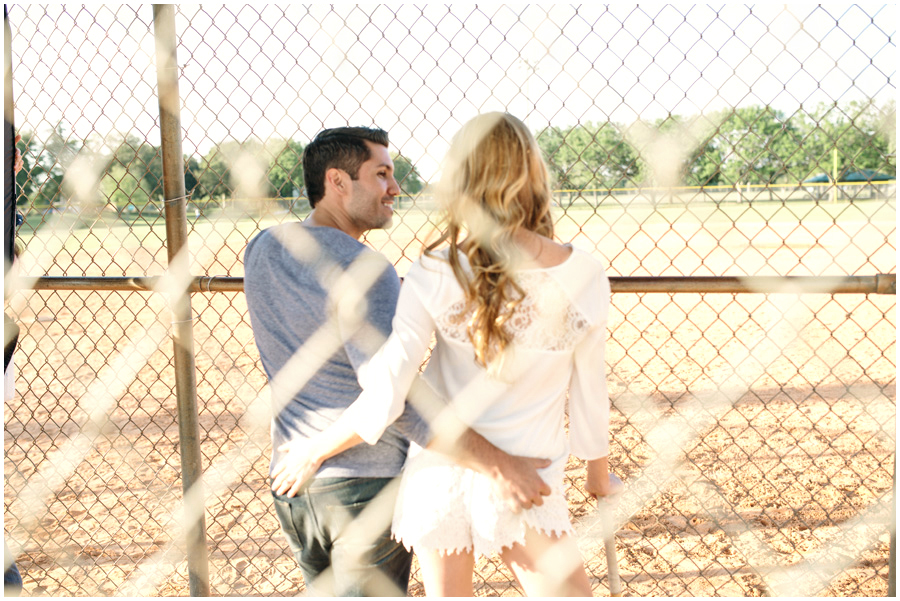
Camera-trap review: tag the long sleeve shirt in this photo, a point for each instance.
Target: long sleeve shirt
(557, 354)
(320, 305)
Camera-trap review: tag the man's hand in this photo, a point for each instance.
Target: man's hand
(517, 480)
(514, 477)
(19, 162)
(299, 465)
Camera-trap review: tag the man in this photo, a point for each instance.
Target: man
(320, 304)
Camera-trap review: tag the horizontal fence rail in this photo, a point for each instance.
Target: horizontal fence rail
(885, 283)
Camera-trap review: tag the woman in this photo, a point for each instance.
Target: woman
(520, 320)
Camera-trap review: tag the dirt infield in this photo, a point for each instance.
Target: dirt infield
(804, 449)
(786, 406)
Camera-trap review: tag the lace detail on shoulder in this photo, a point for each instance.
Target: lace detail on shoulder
(545, 320)
(452, 322)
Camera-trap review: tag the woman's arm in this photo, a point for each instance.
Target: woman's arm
(517, 478)
(598, 483)
(589, 400)
(303, 458)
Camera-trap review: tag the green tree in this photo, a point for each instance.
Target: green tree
(620, 163)
(215, 171)
(32, 172)
(232, 167)
(860, 131)
(407, 175)
(690, 141)
(563, 149)
(757, 145)
(133, 173)
(704, 166)
(286, 171)
(123, 189)
(46, 162)
(191, 175)
(589, 156)
(870, 144)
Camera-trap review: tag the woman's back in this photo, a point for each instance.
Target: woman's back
(557, 334)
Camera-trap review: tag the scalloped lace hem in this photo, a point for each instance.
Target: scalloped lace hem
(444, 551)
(447, 508)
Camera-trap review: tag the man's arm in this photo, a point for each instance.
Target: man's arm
(516, 477)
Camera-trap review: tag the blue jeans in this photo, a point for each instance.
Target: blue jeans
(363, 563)
(12, 580)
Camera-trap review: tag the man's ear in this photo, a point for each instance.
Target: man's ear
(337, 179)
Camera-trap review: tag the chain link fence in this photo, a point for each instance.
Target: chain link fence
(754, 430)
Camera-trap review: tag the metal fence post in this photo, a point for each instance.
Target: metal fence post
(182, 316)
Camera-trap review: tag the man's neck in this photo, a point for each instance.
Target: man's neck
(320, 217)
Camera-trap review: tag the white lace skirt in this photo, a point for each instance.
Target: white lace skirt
(444, 507)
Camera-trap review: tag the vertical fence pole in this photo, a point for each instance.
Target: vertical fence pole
(182, 316)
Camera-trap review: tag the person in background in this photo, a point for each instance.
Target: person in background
(320, 304)
(12, 579)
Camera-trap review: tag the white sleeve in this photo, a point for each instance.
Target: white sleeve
(388, 376)
(588, 393)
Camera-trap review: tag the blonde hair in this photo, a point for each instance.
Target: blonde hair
(494, 181)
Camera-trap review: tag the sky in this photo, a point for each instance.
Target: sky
(420, 71)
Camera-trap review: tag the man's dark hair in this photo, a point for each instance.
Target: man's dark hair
(342, 148)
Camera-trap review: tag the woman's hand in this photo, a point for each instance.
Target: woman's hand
(611, 488)
(600, 483)
(300, 463)
(304, 457)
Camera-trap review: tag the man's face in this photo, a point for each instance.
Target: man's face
(372, 195)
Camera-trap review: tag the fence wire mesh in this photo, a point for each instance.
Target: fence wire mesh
(754, 432)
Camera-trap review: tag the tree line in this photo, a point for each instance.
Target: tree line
(747, 145)
(131, 174)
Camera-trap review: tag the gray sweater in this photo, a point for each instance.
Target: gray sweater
(317, 285)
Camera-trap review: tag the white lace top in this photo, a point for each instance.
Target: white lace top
(559, 337)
